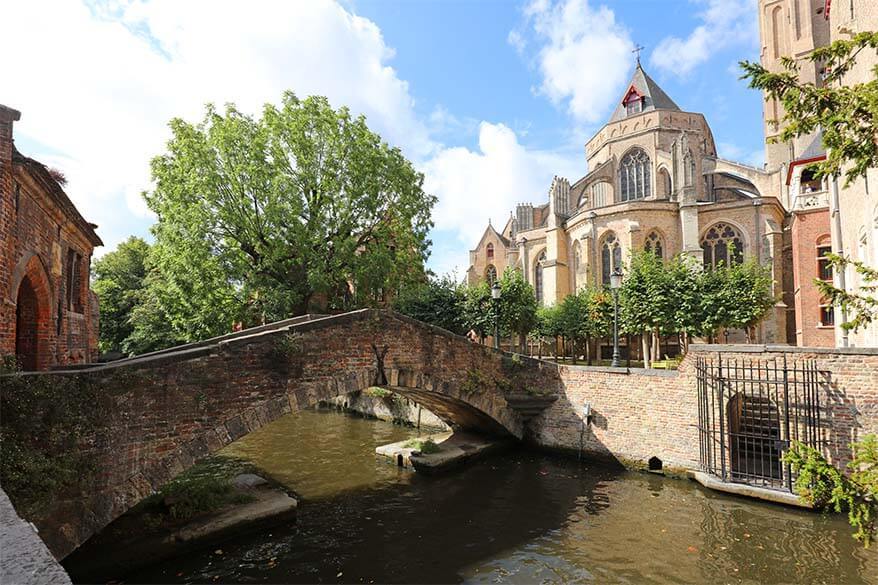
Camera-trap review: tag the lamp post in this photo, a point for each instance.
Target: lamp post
(495, 297)
(615, 285)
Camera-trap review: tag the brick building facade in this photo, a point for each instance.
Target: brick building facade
(827, 215)
(48, 313)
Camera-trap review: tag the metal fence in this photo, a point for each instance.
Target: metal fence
(748, 413)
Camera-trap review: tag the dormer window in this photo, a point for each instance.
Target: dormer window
(634, 105)
(633, 101)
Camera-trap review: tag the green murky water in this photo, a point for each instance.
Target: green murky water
(519, 517)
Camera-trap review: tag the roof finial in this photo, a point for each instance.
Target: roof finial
(636, 51)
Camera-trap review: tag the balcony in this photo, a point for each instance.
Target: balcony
(808, 198)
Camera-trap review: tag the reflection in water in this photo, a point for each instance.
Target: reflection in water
(521, 517)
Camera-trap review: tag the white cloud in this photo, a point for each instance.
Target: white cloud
(585, 55)
(99, 85)
(724, 23)
(475, 186)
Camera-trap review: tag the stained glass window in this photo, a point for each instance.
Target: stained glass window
(634, 180)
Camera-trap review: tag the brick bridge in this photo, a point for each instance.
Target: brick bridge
(158, 413)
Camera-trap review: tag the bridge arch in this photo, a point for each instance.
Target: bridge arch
(158, 414)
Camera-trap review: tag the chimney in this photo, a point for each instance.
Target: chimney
(7, 117)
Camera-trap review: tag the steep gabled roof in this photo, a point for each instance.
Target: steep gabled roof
(654, 97)
(489, 230)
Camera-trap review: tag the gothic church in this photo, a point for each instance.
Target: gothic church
(655, 182)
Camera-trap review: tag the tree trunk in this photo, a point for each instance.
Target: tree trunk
(644, 347)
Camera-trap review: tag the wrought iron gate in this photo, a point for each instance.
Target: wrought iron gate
(749, 411)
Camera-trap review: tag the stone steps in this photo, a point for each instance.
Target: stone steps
(527, 406)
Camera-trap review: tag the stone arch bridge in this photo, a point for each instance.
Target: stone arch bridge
(156, 414)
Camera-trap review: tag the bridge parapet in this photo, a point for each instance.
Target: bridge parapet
(150, 417)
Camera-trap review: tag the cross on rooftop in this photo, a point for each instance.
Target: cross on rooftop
(636, 50)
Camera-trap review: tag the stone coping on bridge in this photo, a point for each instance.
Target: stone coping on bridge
(296, 324)
(268, 327)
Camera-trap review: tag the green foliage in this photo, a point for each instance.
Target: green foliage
(118, 280)
(45, 422)
(674, 296)
(750, 284)
(426, 447)
(439, 302)
(646, 297)
(287, 345)
(847, 114)
(260, 218)
(518, 304)
(862, 306)
(184, 299)
(734, 297)
(822, 485)
(479, 310)
(205, 487)
(475, 382)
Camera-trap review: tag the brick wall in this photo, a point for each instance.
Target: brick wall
(7, 209)
(808, 227)
(155, 415)
(44, 241)
(653, 413)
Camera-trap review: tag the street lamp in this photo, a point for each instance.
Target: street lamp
(615, 285)
(495, 297)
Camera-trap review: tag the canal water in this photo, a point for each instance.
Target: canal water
(518, 517)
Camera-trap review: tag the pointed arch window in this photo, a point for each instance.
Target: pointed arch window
(654, 244)
(538, 278)
(489, 252)
(722, 245)
(491, 274)
(611, 257)
(634, 175)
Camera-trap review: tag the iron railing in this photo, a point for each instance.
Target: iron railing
(748, 413)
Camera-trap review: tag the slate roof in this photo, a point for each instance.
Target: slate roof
(654, 96)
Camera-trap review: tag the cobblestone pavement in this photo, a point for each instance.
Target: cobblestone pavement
(24, 559)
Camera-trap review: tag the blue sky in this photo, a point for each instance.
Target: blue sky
(489, 99)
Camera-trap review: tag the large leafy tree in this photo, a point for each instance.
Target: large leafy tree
(516, 310)
(847, 115)
(263, 218)
(439, 301)
(518, 306)
(647, 304)
(479, 310)
(118, 280)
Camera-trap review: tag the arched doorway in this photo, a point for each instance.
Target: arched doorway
(34, 334)
(27, 321)
(754, 439)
